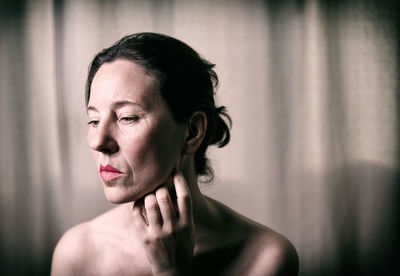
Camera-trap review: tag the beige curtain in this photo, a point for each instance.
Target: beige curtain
(312, 87)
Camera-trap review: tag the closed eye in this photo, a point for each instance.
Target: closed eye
(93, 123)
(128, 120)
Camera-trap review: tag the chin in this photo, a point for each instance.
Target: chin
(117, 196)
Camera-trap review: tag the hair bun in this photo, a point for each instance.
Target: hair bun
(220, 130)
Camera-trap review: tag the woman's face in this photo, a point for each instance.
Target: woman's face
(132, 131)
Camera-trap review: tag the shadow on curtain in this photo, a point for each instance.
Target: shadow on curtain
(312, 87)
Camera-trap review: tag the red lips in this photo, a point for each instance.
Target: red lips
(108, 172)
(108, 168)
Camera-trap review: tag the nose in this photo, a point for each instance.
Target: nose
(101, 139)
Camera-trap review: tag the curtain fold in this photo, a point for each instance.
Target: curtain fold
(311, 85)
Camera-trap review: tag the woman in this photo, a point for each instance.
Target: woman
(150, 102)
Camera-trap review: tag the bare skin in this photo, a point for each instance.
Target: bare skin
(225, 244)
(163, 225)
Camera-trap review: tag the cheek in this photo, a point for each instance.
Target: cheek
(155, 152)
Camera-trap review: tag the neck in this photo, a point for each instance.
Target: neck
(201, 206)
(206, 215)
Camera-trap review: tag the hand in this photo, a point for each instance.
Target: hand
(168, 236)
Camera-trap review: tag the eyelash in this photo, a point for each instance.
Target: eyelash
(93, 123)
(125, 120)
(128, 120)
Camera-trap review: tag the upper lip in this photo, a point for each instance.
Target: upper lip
(108, 168)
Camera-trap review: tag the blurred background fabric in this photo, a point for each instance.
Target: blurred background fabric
(312, 88)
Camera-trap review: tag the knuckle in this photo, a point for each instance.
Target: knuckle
(185, 197)
(179, 178)
(187, 227)
(150, 237)
(147, 240)
(163, 196)
(161, 191)
(168, 230)
(152, 207)
(136, 212)
(150, 202)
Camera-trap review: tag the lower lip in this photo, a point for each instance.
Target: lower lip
(107, 176)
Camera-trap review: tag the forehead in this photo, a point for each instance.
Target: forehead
(123, 80)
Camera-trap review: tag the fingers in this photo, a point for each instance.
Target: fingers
(166, 207)
(184, 199)
(138, 218)
(169, 236)
(159, 209)
(152, 211)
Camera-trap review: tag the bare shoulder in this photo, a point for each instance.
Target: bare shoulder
(79, 248)
(264, 251)
(276, 255)
(69, 254)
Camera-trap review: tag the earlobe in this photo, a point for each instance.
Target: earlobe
(195, 132)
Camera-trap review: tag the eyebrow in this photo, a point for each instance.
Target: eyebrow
(116, 105)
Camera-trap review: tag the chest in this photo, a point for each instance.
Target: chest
(113, 254)
(122, 258)
(214, 263)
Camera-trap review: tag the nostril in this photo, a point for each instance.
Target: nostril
(107, 146)
(102, 140)
(107, 149)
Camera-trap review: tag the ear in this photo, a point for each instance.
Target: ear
(195, 132)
